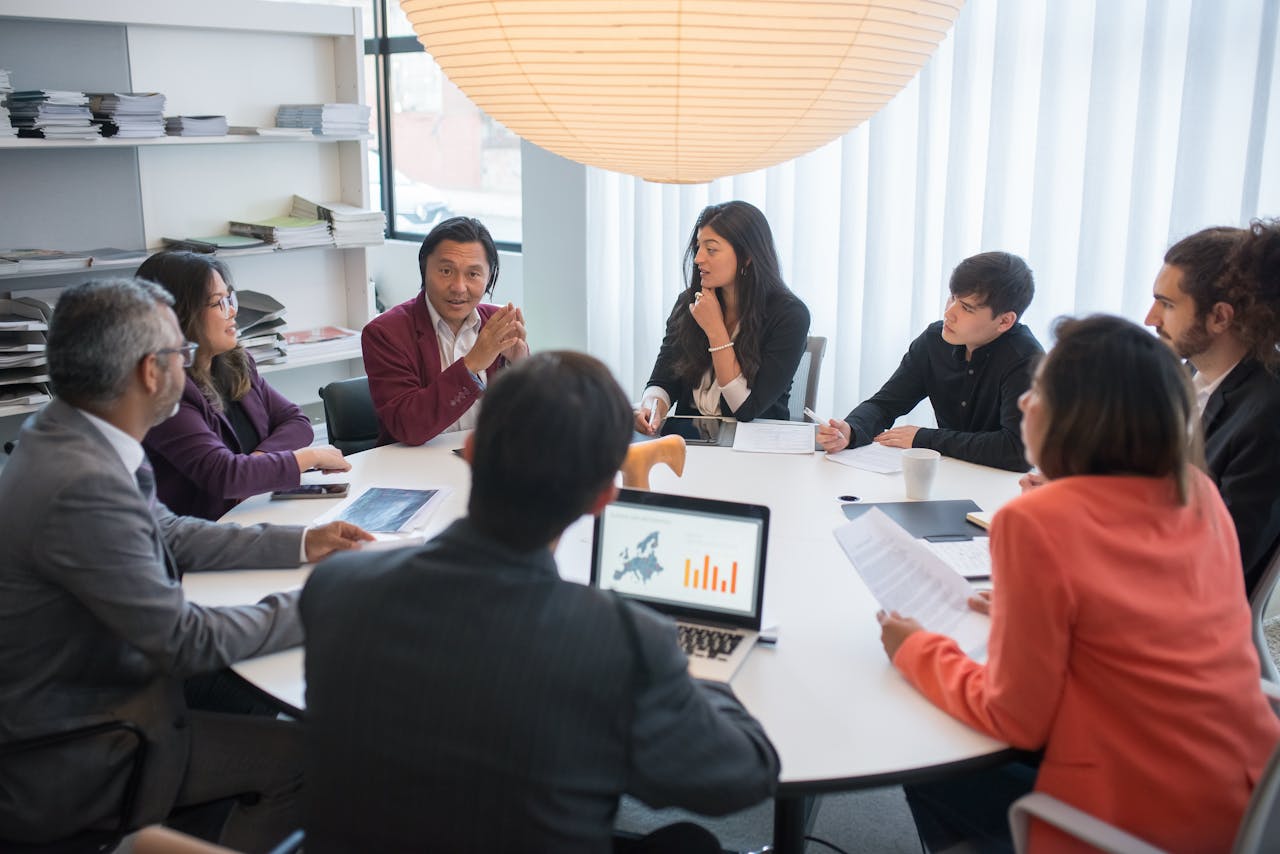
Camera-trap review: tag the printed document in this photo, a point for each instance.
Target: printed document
(774, 437)
(873, 457)
(906, 577)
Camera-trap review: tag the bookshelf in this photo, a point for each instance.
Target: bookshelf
(239, 58)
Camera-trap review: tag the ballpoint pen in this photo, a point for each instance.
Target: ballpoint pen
(814, 416)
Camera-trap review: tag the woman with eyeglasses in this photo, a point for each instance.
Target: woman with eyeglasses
(233, 435)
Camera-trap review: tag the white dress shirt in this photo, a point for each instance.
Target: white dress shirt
(1205, 388)
(454, 347)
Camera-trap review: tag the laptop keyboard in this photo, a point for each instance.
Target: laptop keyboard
(707, 643)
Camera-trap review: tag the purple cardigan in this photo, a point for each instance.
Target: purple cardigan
(201, 470)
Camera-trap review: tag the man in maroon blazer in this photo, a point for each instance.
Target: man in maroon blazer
(430, 358)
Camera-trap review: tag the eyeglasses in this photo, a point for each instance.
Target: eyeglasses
(188, 351)
(228, 304)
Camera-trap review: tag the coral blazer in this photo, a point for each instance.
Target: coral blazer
(1121, 644)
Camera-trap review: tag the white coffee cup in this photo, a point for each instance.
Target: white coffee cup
(919, 468)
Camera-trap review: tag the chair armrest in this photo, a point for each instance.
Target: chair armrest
(1078, 823)
(1271, 691)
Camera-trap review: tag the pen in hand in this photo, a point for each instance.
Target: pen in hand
(653, 415)
(814, 416)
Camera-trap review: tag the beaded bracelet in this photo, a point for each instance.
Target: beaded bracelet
(721, 347)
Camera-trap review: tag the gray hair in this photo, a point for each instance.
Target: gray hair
(99, 332)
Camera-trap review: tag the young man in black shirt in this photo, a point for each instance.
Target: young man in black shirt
(972, 365)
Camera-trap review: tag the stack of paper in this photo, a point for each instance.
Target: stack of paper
(350, 225)
(258, 327)
(325, 119)
(44, 260)
(23, 369)
(110, 256)
(6, 127)
(129, 115)
(51, 114)
(287, 232)
(223, 244)
(324, 340)
(195, 125)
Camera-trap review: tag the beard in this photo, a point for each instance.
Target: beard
(169, 400)
(1194, 341)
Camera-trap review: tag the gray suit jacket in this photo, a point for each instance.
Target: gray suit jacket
(462, 697)
(94, 628)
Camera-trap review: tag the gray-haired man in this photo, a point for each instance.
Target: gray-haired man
(93, 623)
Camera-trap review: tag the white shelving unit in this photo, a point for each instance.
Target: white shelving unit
(239, 58)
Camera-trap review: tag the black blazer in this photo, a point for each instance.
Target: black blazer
(785, 334)
(462, 697)
(1242, 448)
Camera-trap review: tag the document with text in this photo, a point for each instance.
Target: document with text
(774, 437)
(873, 457)
(904, 576)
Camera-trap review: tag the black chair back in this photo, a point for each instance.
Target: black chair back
(349, 415)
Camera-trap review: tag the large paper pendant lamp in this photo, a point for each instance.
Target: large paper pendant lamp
(680, 91)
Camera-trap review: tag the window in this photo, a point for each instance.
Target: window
(436, 154)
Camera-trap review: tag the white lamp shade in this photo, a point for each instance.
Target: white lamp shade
(680, 91)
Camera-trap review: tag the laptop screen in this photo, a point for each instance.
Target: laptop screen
(689, 557)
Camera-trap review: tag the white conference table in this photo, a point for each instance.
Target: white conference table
(838, 713)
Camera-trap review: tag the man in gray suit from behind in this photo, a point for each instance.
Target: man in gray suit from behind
(93, 623)
(462, 697)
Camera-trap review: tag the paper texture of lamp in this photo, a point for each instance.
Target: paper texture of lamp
(680, 91)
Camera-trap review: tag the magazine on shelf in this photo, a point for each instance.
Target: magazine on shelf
(45, 260)
(223, 244)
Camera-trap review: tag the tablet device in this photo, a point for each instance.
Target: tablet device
(701, 429)
(312, 490)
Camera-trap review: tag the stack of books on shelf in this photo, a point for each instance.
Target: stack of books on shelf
(322, 341)
(350, 225)
(41, 260)
(23, 370)
(129, 115)
(325, 119)
(6, 86)
(51, 114)
(223, 244)
(286, 232)
(259, 322)
(195, 125)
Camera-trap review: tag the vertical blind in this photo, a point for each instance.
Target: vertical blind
(1083, 136)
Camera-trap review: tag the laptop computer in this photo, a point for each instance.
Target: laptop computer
(698, 560)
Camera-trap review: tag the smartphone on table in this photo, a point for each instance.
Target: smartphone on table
(312, 490)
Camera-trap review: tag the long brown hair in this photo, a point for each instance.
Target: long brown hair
(186, 275)
(1119, 402)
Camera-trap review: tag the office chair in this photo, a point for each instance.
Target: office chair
(804, 386)
(88, 840)
(1258, 602)
(1259, 827)
(349, 415)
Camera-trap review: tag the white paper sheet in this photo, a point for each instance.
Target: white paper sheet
(873, 457)
(970, 558)
(774, 437)
(906, 577)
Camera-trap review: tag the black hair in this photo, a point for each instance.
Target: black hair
(460, 229)
(551, 435)
(1002, 281)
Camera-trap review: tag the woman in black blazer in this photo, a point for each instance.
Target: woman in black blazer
(736, 334)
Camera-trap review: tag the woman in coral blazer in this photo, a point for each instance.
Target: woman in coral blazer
(1120, 634)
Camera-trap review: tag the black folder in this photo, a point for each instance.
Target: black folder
(937, 521)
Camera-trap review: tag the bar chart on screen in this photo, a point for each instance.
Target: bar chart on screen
(710, 578)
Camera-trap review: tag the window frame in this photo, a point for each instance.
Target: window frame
(382, 47)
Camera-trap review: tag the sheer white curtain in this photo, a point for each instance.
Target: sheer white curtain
(1082, 136)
